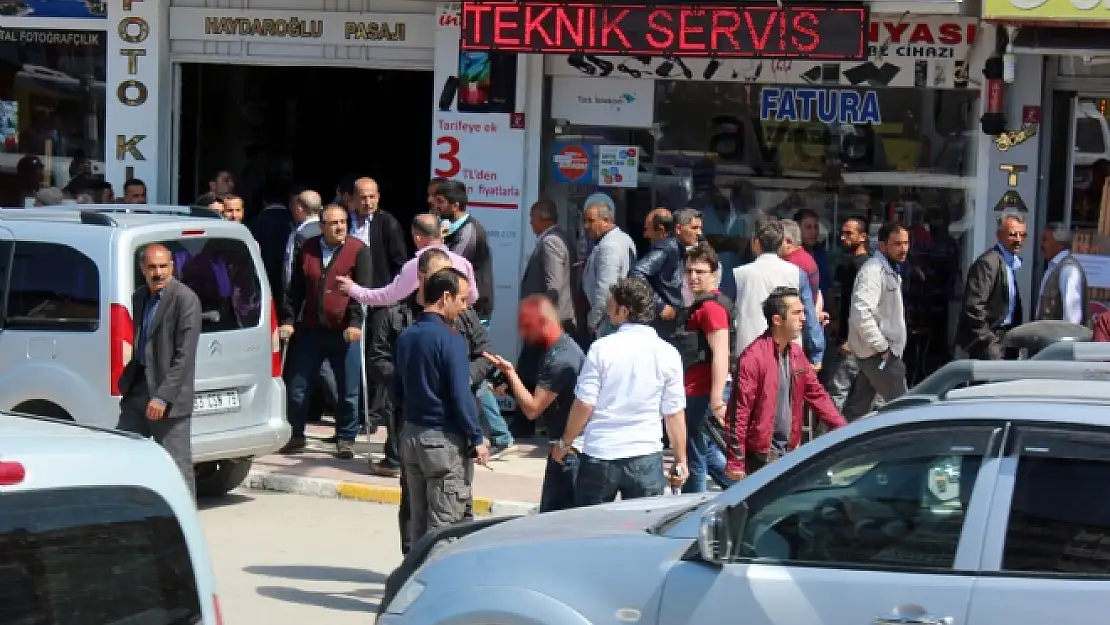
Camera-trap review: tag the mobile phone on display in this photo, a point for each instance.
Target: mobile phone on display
(920, 73)
(475, 80)
(447, 96)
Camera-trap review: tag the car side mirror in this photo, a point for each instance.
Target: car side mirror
(721, 526)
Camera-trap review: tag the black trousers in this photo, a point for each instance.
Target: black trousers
(173, 434)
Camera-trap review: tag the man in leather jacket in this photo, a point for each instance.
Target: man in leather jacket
(662, 268)
(386, 325)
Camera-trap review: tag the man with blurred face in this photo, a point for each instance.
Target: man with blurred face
(877, 324)
(157, 383)
(329, 327)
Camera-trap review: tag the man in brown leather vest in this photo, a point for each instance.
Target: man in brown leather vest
(329, 324)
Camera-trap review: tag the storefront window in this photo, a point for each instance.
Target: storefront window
(52, 104)
(900, 154)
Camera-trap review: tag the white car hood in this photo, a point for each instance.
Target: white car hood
(622, 517)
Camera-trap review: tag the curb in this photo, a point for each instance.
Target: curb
(335, 489)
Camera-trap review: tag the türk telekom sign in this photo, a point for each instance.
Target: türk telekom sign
(793, 31)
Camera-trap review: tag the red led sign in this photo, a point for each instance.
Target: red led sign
(814, 31)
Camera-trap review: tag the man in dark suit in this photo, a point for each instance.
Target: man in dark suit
(376, 228)
(271, 229)
(549, 269)
(992, 303)
(157, 383)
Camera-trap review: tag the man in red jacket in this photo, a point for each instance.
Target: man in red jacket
(774, 382)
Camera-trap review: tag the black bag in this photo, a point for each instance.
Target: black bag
(693, 345)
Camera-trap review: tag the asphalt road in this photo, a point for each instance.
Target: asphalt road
(289, 559)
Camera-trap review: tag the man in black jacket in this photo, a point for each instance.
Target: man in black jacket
(271, 229)
(467, 238)
(385, 326)
(662, 268)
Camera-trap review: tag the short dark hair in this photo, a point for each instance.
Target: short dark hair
(134, 182)
(429, 256)
(775, 304)
(445, 280)
(888, 229)
(703, 253)
(209, 198)
(771, 236)
(805, 213)
(636, 295)
(437, 181)
(546, 210)
(860, 220)
(454, 192)
(662, 220)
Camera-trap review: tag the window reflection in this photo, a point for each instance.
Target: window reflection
(915, 166)
(52, 103)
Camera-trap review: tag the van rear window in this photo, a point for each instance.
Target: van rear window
(94, 556)
(221, 273)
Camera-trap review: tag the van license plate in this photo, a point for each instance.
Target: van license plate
(215, 401)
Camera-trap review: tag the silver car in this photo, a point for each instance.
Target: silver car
(66, 324)
(846, 529)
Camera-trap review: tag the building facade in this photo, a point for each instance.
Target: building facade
(113, 87)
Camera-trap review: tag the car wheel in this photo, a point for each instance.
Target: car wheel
(216, 479)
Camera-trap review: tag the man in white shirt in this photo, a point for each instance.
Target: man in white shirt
(1063, 292)
(630, 379)
(756, 281)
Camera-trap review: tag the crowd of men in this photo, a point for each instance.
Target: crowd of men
(624, 356)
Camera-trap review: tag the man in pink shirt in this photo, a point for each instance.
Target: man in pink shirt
(427, 235)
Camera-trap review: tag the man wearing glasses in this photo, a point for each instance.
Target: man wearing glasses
(992, 303)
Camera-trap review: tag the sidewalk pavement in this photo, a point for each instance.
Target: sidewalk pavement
(511, 487)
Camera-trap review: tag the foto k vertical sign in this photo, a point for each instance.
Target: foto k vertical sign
(134, 28)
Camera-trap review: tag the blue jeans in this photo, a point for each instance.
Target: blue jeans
(599, 481)
(313, 348)
(558, 483)
(715, 465)
(491, 416)
(697, 447)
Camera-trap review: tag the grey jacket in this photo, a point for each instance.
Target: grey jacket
(549, 271)
(611, 259)
(171, 351)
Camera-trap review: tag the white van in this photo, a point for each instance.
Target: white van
(66, 325)
(97, 527)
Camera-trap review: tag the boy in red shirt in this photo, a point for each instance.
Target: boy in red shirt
(705, 347)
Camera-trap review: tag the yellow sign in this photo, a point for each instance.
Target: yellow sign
(1046, 10)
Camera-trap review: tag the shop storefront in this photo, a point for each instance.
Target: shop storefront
(52, 95)
(890, 134)
(1056, 154)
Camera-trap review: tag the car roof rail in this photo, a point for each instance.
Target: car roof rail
(965, 372)
(146, 209)
(1074, 350)
(97, 219)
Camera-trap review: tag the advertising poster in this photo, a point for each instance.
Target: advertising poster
(483, 151)
(79, 9)
(618, 166)
(573, 163)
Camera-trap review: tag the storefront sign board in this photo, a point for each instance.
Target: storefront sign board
(311, 27)
(134, 50)
(1046, 10)
(932, 52)
(835, 31)
(622, 103)
(843, 106)
(618, 166)
(485, 152)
